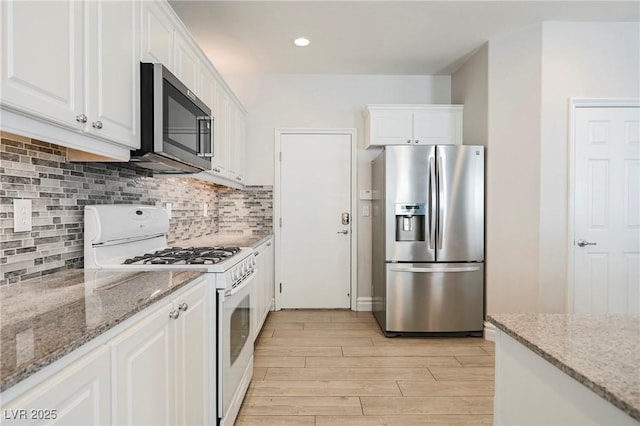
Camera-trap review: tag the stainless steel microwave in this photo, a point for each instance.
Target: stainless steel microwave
(176, 128)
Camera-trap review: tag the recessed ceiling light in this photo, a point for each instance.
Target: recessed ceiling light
(301, 41)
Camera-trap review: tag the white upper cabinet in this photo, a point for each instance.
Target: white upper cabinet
(236, 142)
(74, 63)
(112, 100)
(157, 34)
(221, 132)
(187, 64)
(42, 59)
(414, 124)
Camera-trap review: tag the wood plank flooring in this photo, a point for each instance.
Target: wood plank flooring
(335, 367)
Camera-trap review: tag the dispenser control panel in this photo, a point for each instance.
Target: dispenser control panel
(416, 209)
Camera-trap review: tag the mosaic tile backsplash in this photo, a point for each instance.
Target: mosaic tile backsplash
(59, 190)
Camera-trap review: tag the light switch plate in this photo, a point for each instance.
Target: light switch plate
(366, 194)
(22, 215)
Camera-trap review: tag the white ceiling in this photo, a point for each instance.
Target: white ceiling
(369, 37)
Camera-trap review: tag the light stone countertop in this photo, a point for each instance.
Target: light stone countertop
(602, 352)
(45, 318)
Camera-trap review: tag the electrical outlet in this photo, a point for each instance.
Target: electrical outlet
(169, 207)
(205, 209)
(22, 215)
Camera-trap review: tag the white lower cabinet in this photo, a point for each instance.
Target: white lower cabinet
(143, 376)
(264, 284)
(192, 330)
(156, 368)
(79, 394)
(160, 364)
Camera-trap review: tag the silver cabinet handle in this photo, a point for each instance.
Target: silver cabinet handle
(344, 231)
(97, 125)
(416, 141)
(584, 243)
(217, 170)
(183, 307)
(81, 118)
(174, 314)
(408, 140)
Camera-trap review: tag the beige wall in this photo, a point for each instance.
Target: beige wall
(470, 87)
(326, 101)
(513, 172)
(532, 74)
(579, 60)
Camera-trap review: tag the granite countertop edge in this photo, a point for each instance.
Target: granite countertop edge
(597, 388)
(34, 367)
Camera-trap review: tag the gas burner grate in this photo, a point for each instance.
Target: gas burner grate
(185, 256)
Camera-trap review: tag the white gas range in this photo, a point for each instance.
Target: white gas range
(135, 237)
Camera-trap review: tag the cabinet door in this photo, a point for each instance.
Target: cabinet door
(186, 63)
(440, 126)
(207, 87)
(394, 127)
(113, 71)
(79, 394)
(236, 142)
(157, 34)
(220, 133)
(258, 292)
(42, 59)
(269, 259)
(143, 372)
(192, 331)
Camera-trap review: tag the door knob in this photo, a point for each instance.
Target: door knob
(583, 243)
(344, 231)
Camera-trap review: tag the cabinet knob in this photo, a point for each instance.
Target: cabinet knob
(97, 125)
(81, 118)
(408, 140)
(217, 170)
(183, 307)
(416, 141)
(174, 314)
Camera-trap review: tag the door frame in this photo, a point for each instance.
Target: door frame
(574, 104)
(353, 236)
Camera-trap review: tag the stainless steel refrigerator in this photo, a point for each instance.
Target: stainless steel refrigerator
(428, 239)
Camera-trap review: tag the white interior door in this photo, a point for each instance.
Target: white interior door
(607, 210)
(315, 245)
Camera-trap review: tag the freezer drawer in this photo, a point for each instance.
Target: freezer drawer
(434, 297)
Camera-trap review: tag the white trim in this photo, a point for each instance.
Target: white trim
(354, 205)
(365, 304)
(575, 103)
(489, 331)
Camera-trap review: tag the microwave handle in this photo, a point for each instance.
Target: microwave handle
(201, 121)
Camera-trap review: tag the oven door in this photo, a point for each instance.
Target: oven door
(235, 348)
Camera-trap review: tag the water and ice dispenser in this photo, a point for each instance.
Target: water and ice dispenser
(410, 221)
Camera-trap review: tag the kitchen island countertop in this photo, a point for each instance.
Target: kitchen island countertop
(45, 318)
(602, 352)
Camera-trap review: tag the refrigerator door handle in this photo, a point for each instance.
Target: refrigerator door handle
(440, 204)
(432, 202)
(435, 269)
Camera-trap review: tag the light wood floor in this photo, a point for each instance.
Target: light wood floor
(335, 367)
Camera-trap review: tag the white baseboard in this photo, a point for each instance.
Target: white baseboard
(489, 331)
(364, 304)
